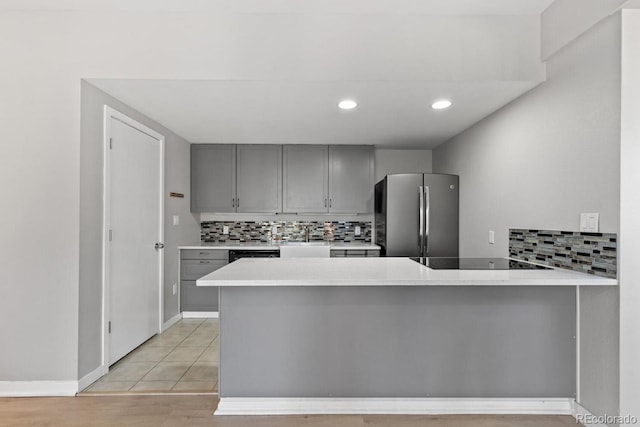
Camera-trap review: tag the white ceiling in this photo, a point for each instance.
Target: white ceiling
(390, 114)
(288, 63)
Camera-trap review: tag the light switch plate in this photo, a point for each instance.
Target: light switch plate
(176, 220)
(589, 222)
(225, 229)
(357, 230)
(492, 237)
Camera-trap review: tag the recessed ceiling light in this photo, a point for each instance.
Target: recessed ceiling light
(347, 104)
(441, 104)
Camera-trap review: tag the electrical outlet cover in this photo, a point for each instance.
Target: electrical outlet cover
(589, 222)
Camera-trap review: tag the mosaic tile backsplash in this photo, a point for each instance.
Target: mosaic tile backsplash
(593, 253)
(261, 231)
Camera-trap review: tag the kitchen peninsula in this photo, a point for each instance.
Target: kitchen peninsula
(389, 335)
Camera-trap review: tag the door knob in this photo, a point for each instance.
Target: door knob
(159, 245)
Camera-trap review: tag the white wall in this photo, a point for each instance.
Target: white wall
(540, 161)
(564, 20)
(177, 179)
(389, 161)
(629, 268)
(547, 156)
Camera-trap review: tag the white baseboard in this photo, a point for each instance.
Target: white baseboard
(426, 406)
(92, 377)
(169, 323)
(581, 414)
(38, 388)
(199, 314)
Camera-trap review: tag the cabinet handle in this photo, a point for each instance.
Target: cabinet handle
(233, 203)
(204, 253)
(204, 262)
(238, 202)
(330, 202)
(325, 203)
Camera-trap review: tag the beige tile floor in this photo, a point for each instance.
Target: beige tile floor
(183, 359)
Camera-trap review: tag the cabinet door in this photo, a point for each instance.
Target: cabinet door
(305, 175)
(198, 298)
(259, 185)
(351, 179)
(213, 178)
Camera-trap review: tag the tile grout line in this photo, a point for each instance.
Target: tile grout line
(197, 326)
(194, 362)
(158, 362)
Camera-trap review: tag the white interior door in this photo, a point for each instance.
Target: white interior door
(135, 223)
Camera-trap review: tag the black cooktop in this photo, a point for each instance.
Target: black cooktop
(478, 264)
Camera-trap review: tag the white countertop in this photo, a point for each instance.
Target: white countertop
(264, 245)
(382, 272)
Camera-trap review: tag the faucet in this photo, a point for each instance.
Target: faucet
(306, 233)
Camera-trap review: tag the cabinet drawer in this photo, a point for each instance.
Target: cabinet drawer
(198, 298)
(193, 269)
(339, 253)
(204, 254)
(356, 253)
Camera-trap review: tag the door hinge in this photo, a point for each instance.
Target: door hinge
(110, 235)
(110, 143)
(109, 326)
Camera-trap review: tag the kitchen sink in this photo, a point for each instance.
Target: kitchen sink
(304, 249)
(305, 244)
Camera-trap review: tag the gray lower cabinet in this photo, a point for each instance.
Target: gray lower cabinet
(351, 179)
(259, 181)
(213, 178)
(195, 263)
(305, 178)
(341, 253)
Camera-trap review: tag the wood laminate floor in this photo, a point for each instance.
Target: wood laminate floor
(196, 410)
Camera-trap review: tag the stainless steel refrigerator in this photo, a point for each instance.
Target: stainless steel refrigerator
(416, 215)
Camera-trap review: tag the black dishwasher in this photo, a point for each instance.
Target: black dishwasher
(247, 253)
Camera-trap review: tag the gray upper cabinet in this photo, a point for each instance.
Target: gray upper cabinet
(275, 178)
(306, 180)
(351, 179)
(213, 178)
(259, 178)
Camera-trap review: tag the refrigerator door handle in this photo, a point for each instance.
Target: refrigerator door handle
(426, 221)
(421, 216)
